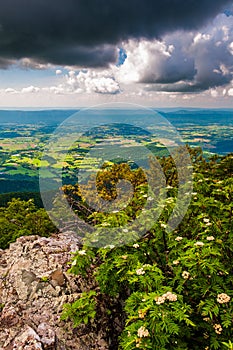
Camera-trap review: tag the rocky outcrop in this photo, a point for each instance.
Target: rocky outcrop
(34, 285)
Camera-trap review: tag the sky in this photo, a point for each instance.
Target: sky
(78, 53)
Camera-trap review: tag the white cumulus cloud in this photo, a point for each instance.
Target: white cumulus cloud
(155, 62)
(91, 82)
(10, 91)
(30, 89)
(185, 61)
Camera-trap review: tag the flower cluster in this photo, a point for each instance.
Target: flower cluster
(82, 252)
(74, 262)
(210, 238)
(160, 300)
(140, 271)
(185, 275)
(207, 222)
(167, 296)
(178, 238)
(223, 298)
(142, 313)
(199, 244)
(176, 262)
(163, 225)
(143, 332)
(218, 328)
(170, 296)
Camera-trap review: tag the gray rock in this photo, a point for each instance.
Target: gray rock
(47, 335)
(34, 285)
(27, 340)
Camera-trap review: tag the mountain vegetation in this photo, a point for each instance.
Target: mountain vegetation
(163, 289)
(171, 290)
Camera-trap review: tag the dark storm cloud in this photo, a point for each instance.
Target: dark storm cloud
(191, 87)
(85, 32)
(184, 61)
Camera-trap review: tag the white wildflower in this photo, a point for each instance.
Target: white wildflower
(199, 244)
(170, 296)
(210, 238)
(82, 252)
(218, 328)
(223, 298)
(125, 230)
(185, 275)
(206, 220)
(176, 262)
(142, 313)
(143, 332)
(178, 238)
(136, 245)
(160, 300)
(163, 225)
(74, 262)
(140, 271)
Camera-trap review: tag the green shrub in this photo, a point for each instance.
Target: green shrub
(175, 288)
(82, 310)
(22, 218)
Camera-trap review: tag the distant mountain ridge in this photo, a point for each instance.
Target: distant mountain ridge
(34, 117)
(57, 116)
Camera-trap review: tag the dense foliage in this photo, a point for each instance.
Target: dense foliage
(5, 198)
(175, 289)
(23, 218)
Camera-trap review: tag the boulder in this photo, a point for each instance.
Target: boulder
(34, 285)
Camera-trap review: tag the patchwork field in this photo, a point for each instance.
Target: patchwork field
(23, 137)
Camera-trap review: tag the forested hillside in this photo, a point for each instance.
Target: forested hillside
(166, 289)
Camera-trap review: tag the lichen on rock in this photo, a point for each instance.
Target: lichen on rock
(34, 285)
